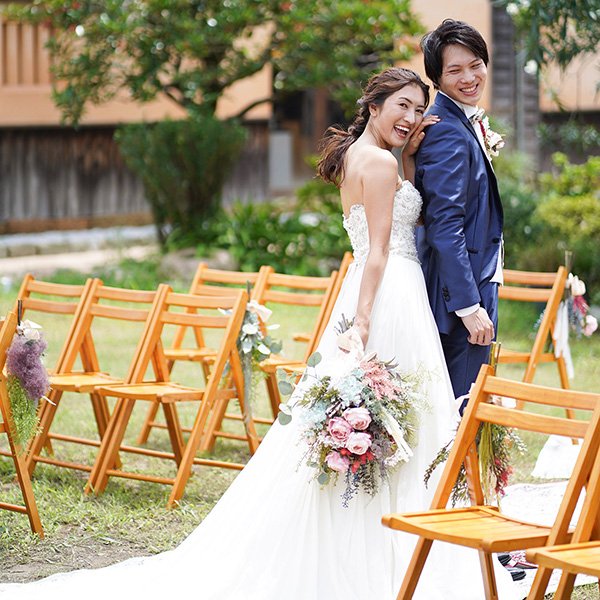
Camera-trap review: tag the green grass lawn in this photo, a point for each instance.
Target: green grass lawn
(131, 518)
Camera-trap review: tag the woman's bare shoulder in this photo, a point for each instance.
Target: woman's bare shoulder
(371, 161)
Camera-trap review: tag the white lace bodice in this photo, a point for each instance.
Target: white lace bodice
(407, 207)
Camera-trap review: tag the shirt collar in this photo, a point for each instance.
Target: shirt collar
(466, 108)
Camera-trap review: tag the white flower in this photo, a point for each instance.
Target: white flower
(493, 141)
(29, 329)
(250, 329)
(262, 311)
(577, 286)
(531, 67)
(512, 9)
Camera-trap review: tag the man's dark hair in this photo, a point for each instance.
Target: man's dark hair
(450, 32)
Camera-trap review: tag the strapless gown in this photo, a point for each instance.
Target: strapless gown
(276, 534)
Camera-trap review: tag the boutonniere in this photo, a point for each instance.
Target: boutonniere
(493, 141)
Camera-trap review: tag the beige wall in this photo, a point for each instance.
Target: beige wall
(475, 12)
(25, 88)
(576, 86)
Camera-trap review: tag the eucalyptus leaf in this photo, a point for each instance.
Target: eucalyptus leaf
(283, 418)
(323, 478)
(285, 387)
(285, 408)
(314, 359)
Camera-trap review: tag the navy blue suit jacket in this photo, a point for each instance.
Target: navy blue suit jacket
(460, 239)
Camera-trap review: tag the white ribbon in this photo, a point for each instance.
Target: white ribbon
(262, 311)
(561, 338)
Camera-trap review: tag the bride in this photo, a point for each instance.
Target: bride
(276, 534)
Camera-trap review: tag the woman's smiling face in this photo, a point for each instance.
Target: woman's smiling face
(463, 75)
(398, 116)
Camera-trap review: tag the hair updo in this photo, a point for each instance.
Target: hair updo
(336, 141)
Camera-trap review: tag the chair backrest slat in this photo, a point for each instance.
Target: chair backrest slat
(540, 394)
(49, 306)
(194, 320)
(524, 294)
(119, 312)
(529, 278)
(531, 421)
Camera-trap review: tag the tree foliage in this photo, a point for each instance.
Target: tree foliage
(556, 31)
(193, 50)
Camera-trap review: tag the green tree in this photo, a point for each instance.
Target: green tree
(556, 31)
(193, 50)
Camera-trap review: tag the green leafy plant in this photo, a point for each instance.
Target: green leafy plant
(569, 208)
(182, 165)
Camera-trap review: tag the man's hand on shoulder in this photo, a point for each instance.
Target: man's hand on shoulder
(480, 327)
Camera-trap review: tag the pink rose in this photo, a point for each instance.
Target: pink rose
(339, 429)
(358, 443)
(359, 418)
(591, 324)
(336, 462)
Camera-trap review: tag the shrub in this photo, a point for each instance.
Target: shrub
(569, 207)
(182, 165)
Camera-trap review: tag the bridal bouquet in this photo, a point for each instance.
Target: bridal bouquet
(358, 420)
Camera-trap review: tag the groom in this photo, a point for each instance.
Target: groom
(460, 243)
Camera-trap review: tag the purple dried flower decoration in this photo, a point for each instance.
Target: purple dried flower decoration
(25, 363)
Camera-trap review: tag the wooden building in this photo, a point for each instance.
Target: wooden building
(55, 177)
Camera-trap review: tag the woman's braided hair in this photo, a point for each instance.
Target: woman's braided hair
(336, 141)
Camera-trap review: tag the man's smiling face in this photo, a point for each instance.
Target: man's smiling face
(463, 75)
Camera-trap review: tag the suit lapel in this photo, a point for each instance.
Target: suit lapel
(451, 107)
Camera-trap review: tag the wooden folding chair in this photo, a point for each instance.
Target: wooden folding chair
(484, 527)
(548, 288)
(166, 393)
(582, 554)
(8, 328)
(347, 260)
(38, 299)
(287, 290)
(206, 281)
(104, 308)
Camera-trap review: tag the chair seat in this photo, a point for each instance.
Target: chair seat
(190, 354)
(275, 361)
(575, 558)
(81, 382)
(475, 527)
(159, 392)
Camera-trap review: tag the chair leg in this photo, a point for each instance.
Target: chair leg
(174, 429)
(185, 467)
(562, 371)
(540, 583)
(274, 396)
(108, 453)
(489, 579)
(146, 427)
(207, 444)
(47, 412)
(415, 568)
(565, 586)
(27, 490)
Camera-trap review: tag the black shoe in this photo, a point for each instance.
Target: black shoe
(504, 558)
(516, 573)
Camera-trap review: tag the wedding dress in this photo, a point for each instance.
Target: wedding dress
(276, 534)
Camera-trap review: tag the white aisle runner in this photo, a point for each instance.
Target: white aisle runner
(539, 503)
